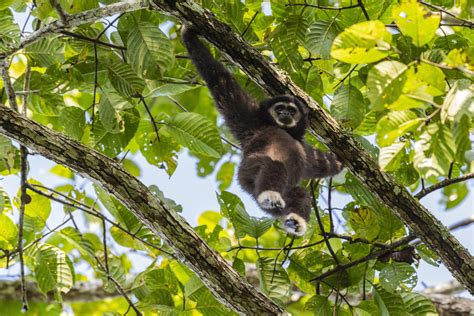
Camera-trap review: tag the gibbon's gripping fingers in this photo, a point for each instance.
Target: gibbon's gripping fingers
(294, 224)
(270, 200)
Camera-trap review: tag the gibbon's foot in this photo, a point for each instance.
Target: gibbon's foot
(294, 224)
(270, 200)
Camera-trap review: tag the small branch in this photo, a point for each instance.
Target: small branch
(442, 184)
(320, 6)
(91, 211)
(92, 40)
(250, 23)
(152, 119)
(60, 11)
(331, 223)
(444, 11)
(321, 226)
(104, 243)
(371, 256)
(362, 7)
(7, 84)
(81, 18)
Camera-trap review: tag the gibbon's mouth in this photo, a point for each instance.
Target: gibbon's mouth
(286, 122)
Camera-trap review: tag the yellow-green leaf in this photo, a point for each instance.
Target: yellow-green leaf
(416, 21)
(362, 43)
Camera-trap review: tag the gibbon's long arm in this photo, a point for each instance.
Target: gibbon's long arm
(239, 109)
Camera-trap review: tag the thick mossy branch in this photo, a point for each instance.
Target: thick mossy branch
(215, 272)
(456, 258)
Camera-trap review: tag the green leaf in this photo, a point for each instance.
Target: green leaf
(122, 215)
(125, 81)
(418, 305)
(319, 305)
(461, 135)
(37, 211)
(73, 122)
(273, 279)
(348, 106)
(285, 41)
(389, 304)
(206, 303)
(51, 269)
(395, 125)
(108, 113)
(63, 172)
(459, 101)
(398, 276)
(172, 205)
(363, 221)
(170, 89)
(9, 31)
(244, 224)
(8, 233)
(195, 132)
(434, 151)
(225, 175)
(388, 156)
(149, 51)
(362, 43)
(320, 37)
(428, 255)
(79, 241)
(416, 21)
(46, 52)
(113, 144)
(385, 83)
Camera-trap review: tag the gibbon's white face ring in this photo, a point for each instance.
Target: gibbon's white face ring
(294, 119)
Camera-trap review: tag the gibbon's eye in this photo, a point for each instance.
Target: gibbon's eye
(279, 107)
(292, 111)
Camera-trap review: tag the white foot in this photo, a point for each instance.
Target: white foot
(294, 224)
(270, 200)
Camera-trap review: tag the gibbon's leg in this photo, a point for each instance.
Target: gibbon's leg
(298, 207)
(270, 182)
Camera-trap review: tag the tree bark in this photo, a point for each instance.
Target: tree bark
(393, 195)
(214, 271)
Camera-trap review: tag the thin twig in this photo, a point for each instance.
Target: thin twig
(250, 23)
(442, 184)
(362, 7)
(370, 256)
(442, 10)
(91, 211)
(331, 223)
(321, 226)
(152, 119)
(60, 11)
(104, 243)
(321, 7)
(92, 40)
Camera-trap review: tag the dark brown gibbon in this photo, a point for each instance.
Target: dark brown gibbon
(275, 157)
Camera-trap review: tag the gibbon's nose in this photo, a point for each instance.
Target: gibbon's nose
(285, 113)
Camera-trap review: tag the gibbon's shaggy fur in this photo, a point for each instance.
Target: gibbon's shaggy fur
(275, 157)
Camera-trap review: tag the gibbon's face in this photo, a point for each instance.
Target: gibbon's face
(285, 114)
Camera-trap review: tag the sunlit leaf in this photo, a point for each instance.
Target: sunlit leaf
(385, 83)
(459, 101)
(417, 21)
(273, 279)
(362, 43)
(398, 276)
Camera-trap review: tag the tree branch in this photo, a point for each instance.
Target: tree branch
(425, 191)
(393, 195)
(215, 272)
(71, 21)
